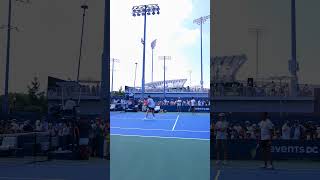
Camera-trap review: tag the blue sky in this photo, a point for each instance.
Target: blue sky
(176, 36)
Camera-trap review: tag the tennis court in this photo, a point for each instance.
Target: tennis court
(250, 170)
(171, 146)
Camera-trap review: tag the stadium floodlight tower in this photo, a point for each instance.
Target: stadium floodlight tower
(164, 58)
(5, 102)
(201, 21)
(144, 10)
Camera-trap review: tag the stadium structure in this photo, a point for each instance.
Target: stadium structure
(177, 83)
(173, 89)
(225, 68)
(229, 92)
(88, 96)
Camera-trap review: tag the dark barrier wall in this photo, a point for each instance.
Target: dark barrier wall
(281, 149)
(186, 108)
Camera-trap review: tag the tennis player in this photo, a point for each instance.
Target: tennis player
(193, 104)
(221, 128)
(266, 127)
(179, 104)
(150, 106)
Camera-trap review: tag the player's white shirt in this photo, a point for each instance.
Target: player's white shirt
(151, 103)
(221, 125)
(179, 102)
(193, 102)
(69, 105)
(286, 130)
(266, 127)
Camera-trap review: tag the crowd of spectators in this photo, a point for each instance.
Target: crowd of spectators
(296, 130)
(180, 89)
(62, 134)
(165, 102)
(271, 89)
(184, 102)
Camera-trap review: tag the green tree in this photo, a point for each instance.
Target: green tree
(37, 99)
(34, 91)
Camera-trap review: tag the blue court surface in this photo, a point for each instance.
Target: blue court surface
(251, 170)
(164, 125)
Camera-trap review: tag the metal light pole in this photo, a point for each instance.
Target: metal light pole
(293, 65)
(145, 10)
(257, 31)
(164, 58)
(153, 45)
(113, 60)
(84, 7)
(190, 72)
(201, 21)
(5, 102)
(135, 75)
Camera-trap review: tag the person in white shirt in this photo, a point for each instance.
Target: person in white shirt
(14, 126)
(151, 105)
(193, 104)
(266, 128)
(221, 137)
(179, 104)
(38, 126)
(286, 130)
(297, 130)
(69, 106)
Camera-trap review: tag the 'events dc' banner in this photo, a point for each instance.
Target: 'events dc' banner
(281, 149)
(186, 108)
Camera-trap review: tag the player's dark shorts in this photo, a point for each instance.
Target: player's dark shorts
(151, 108)
(221, 143)
(265, 144)
(192, 107)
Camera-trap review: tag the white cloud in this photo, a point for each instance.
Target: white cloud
(168, 28)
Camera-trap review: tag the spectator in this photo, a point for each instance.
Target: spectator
(38, 126)
(297, 130)
(286, 131)
(318, 132)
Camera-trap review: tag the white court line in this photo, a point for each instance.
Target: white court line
(160, 137)
(159, 130)
(217, 175)
(175, 122)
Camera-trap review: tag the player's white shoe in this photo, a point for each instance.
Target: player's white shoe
(270, 167)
